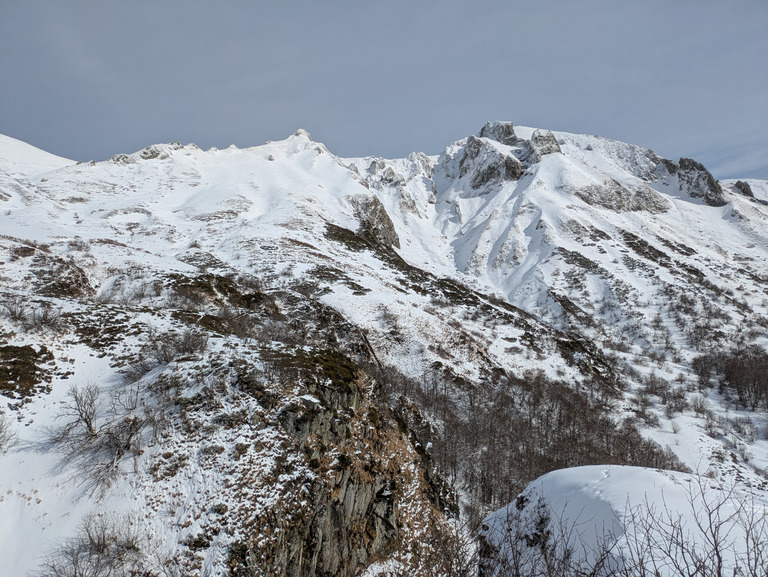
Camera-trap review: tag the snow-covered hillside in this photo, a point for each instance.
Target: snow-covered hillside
(274, 332)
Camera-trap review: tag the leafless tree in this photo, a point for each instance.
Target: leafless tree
(83, 404)
(97, 452)
(126, 398)
(7, 434)
(77, 417)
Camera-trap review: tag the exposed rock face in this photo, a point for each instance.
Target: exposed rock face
(503, 132)
(697, 181)
(744, 188)
(663, 170)
(530, 152)
(486, 163)
(509, 168)
(614, 196)
(544, 142)
(669, 166)
(375, 224)
(350, 509)
(352, 513)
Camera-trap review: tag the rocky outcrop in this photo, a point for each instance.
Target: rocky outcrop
(350, 513)
(664, 170)
(350, 509)
(544, 142)
(697, 182)
(502, 132)
(744, 188)
(375, 224)
(614, 196)
(485, 164)
(530, 152)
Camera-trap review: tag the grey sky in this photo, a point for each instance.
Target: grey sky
(89, 79)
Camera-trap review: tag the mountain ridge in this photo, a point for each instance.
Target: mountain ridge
(519, 270)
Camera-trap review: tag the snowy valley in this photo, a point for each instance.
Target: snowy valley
(277, 361)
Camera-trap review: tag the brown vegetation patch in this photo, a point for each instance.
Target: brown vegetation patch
(24, 370)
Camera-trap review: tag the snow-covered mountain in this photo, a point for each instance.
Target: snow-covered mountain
(303, 364)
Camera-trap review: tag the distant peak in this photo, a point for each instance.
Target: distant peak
(301, 133)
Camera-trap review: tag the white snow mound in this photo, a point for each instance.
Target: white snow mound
(621, 516)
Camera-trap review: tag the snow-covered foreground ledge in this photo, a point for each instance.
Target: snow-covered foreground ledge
(614, 520)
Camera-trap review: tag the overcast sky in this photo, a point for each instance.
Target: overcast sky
(89, 79)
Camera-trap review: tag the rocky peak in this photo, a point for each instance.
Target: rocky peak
(503, 132)
(665, 167)
(697, 182)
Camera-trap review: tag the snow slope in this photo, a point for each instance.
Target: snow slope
(19, 159)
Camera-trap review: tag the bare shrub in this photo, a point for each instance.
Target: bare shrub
(169, 347)
(712, 426)
(655, 385)
(125, 399)
(77, 244)
(33, 318)
(699, 405)
(97, 460)
(447, 550)
(16, 309)
(237, 322)
(95, 452)
(675, 401)
(732, 531)
(745, 426)
(545, 546)
(136, 370)
(157, 418)
(643, 403)
(79, 411)
(45, 317)
(188, 298)
(122, 436)
(105, 546)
